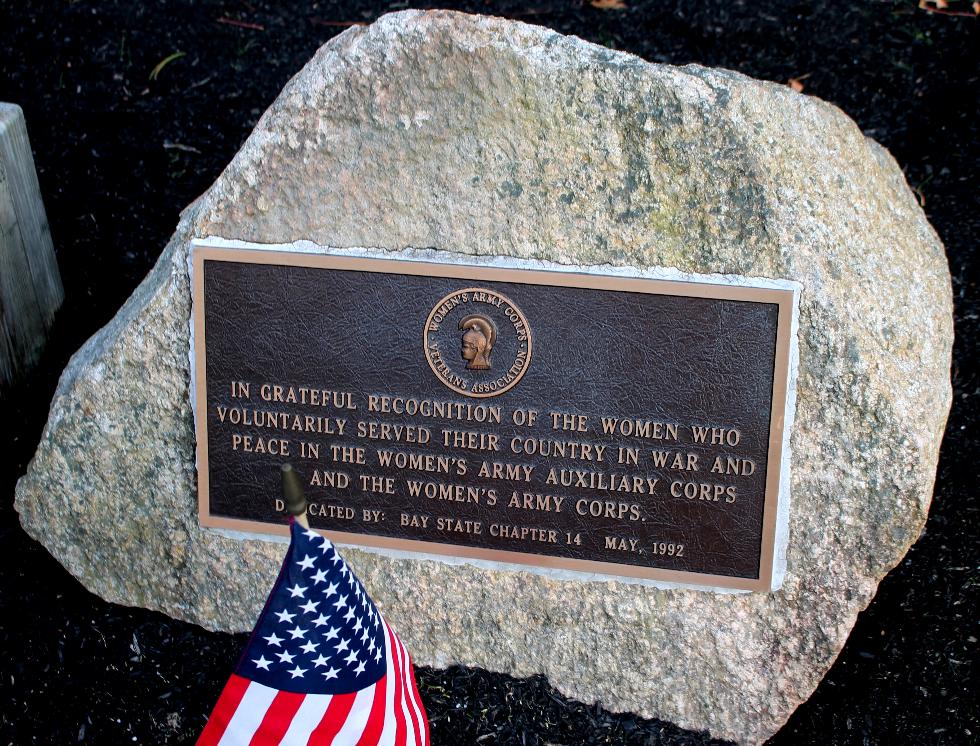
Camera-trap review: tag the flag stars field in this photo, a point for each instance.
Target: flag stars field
(346, 646)
(349, 623)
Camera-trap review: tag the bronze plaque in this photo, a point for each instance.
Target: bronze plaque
(602, 424)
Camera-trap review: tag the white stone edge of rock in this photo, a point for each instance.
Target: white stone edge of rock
(450, 257)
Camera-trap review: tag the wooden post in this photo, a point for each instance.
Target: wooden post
(30, 285)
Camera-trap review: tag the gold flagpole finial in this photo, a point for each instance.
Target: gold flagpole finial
(292, 493)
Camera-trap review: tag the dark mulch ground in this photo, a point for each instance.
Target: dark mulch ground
(119, 156)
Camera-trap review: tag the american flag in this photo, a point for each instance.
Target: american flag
(322, 665)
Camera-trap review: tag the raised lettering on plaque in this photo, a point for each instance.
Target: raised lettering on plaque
(575, 421)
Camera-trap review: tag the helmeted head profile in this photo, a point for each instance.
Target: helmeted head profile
(479, 334)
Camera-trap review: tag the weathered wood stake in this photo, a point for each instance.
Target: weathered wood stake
(30, 285)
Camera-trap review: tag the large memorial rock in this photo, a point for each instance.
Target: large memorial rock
(483, 136)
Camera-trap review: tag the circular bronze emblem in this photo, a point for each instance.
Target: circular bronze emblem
(477, 342)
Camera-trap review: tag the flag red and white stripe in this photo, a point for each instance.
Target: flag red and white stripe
(273, 705)
(387, 713)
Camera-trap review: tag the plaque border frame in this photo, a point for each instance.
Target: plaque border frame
(782, 293)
